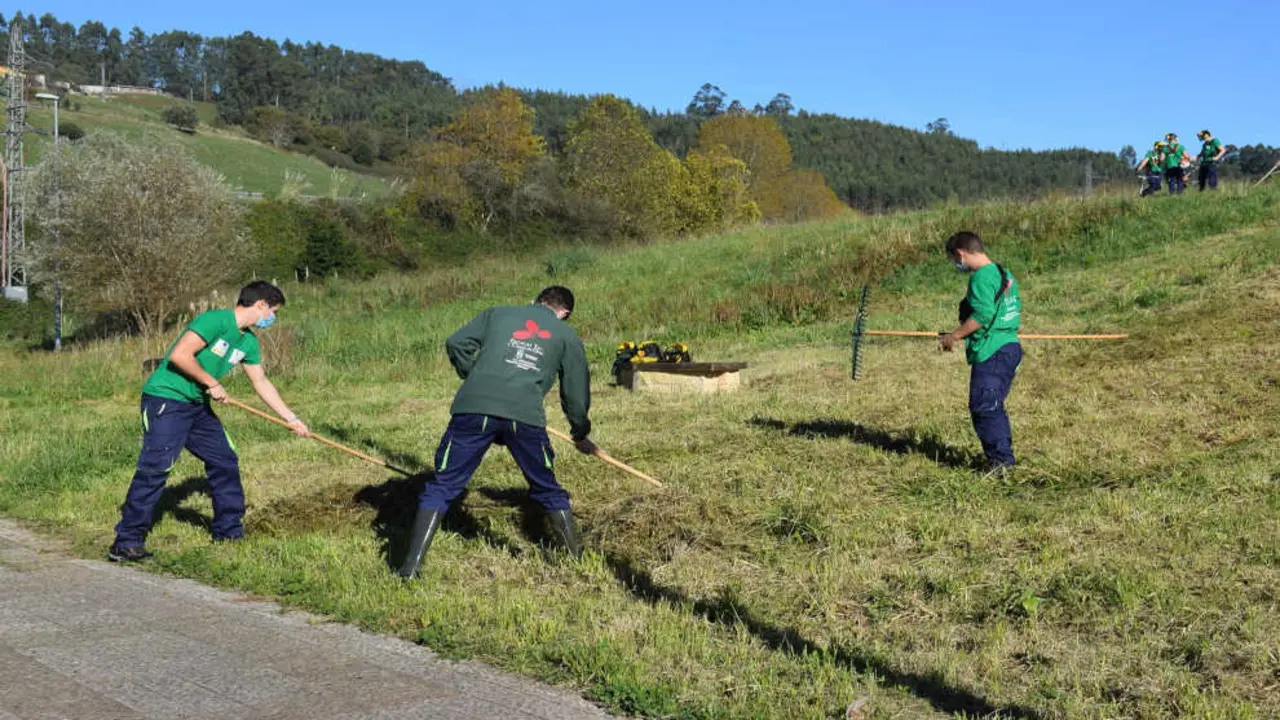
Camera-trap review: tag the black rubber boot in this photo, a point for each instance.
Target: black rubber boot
(425, 524)
(565, 531)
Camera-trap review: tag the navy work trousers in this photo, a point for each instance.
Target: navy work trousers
(1209, 175)
(1153, 184)
(989, 384)
(167, 427)
(463, 446)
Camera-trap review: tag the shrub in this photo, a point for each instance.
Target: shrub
(328, 250)
(278, 127)
(183, 117)
(277, 237)
(70, 131)
(145, 229)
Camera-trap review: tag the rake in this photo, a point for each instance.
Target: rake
(382, 463)
(322, 440)
(859, 331)
(1269, 173)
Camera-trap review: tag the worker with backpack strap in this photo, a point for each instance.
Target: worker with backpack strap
(1210, 153)
(990, 315)
(1176, 160)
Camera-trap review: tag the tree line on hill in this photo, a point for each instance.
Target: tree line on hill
(354, 110)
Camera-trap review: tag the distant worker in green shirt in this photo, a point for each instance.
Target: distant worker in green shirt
(1153, 166)
(1176, 162)
(990, 315)
(1210, 153)
(508, 359)
(176, 414)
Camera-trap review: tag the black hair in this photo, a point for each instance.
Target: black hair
(260, 290)
(556, 297)
(965, 240)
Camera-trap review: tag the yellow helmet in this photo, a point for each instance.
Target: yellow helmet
(1171, 137)
(1203, 134)
(1160, 144)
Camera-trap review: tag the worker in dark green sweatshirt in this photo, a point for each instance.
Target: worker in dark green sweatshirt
(508, 359)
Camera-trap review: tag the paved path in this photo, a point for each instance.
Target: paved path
(86, 640)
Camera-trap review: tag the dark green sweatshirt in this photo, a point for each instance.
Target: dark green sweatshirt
(508, 359)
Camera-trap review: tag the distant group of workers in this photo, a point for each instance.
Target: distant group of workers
(1169, 159)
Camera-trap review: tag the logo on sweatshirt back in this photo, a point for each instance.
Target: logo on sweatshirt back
(530, 331)
(523, 350)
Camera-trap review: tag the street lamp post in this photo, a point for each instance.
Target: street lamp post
(57, 230)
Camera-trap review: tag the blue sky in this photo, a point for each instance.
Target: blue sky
(1035, 73)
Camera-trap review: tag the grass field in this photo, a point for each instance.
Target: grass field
(246, 164)
(819, 541)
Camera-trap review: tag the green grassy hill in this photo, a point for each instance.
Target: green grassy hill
(819, 540)
(247, 164)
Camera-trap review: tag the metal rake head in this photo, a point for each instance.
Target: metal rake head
(859, 324)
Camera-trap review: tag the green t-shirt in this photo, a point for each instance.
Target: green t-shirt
(226, 346)
(1210, 149)
(999, 321)
(1173, 156)
(1154, 162)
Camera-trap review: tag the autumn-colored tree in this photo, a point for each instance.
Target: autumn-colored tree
(472, 173)
(496, 125)
(805, 196)
(782, 193)
(758, 142)
(717, 195)
(611, 158)
(438, 190)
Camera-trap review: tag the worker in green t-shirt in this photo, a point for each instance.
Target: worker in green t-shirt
(509, 358)
(1176, 162)
(1153, 166)
(990, 315)
(176, 413)
(1210, 153)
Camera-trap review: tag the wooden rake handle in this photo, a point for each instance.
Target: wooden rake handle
(1021, 336)
(318, 438)
(605, 457)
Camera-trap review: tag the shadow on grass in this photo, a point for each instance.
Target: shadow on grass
(396, 502)
(906, 442)
(173, 497)
(347, 436)
(729, 612)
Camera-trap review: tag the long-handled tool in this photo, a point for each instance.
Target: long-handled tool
(859, 330)
(1021, 336)
(605, 457)
(1269, 173)
(323, 440)
(369, 458)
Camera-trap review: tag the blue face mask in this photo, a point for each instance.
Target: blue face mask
(961, 267)
(266, 321)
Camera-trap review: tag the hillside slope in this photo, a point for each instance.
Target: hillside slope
(247, 164)
(819, 540)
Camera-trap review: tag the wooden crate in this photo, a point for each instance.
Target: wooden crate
(683, 377)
